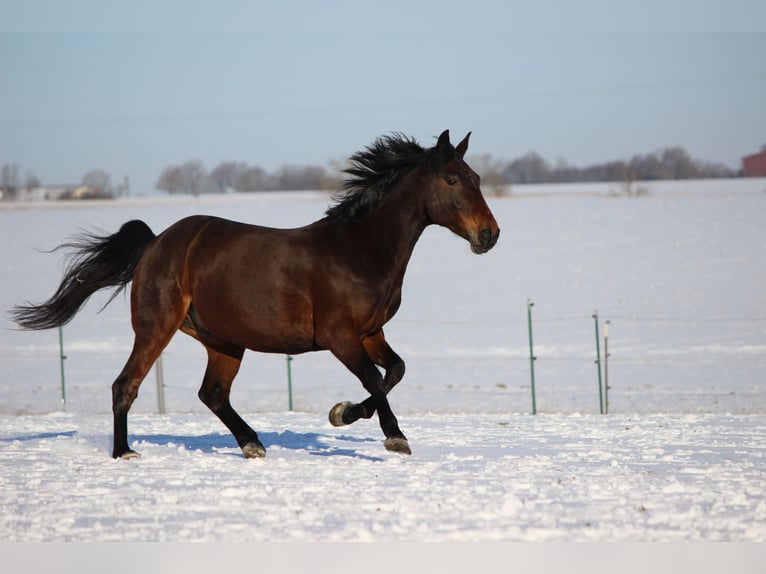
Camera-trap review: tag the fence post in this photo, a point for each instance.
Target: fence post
(62, 358)
(532, 357)
(598, 366)
(606, 367)
(160, 385)
(289, 383)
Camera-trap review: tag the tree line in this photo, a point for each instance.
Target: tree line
(668, 163)
(192, 177)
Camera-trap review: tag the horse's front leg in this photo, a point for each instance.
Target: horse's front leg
(383, 355)
(361, 361)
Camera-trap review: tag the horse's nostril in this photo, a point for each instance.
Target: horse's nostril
(485, 235)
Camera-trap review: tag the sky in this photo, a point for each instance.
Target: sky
(130, 88)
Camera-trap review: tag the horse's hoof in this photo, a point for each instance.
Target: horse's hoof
(253, 450)
(128, 454)
(399, 445)
(336, 413)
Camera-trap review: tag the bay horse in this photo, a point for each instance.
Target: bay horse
(331, 285)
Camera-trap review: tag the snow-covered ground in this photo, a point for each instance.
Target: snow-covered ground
(470, 478)
(681, 455)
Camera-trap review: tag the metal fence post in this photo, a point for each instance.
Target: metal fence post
(160, 385)
(598, 366)
(289, 383)
(62, 358)
(606, 367)
(532, 357)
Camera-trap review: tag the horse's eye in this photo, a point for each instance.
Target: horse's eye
(451, 181)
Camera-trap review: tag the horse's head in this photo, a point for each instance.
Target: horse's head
(454, 196)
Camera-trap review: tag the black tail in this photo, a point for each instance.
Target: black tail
(95, 263)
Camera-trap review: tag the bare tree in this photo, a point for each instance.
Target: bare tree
(714, 169)
(253, 179)
(678, 164)
(491, 173)
(190, 177)
(291, 177)
(170, 180)
(100, 181)
(31, 180)
(528, 169)
(9, 176)
(228, 175)
(11, 182)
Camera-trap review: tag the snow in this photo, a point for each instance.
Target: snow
(470, 478)
(680, 457)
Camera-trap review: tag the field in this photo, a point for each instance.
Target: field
(678, 274)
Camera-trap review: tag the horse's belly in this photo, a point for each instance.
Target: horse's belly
(265, 328)
(277, 335)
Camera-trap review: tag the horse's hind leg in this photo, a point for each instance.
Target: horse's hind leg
(383, 355)
(125, 388)
(158, 310)
(214, 392)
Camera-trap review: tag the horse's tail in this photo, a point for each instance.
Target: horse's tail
(95, 263)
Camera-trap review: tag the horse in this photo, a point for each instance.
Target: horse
(330, 285)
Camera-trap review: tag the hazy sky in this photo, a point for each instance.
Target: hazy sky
(130, 87)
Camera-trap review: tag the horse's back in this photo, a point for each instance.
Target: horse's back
(250, 285)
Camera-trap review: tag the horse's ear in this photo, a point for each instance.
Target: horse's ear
(443, 141)
(462, 147)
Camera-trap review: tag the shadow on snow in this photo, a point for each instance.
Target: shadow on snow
(39, 436)
(314, 443)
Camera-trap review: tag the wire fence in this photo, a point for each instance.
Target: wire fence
(579, 362)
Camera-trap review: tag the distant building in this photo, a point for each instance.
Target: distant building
(52, 192)
(754, 165)
(85, 192)
(41, 193)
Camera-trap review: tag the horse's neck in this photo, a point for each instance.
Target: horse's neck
(395, 228)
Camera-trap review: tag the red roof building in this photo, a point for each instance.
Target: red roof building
(754, 165)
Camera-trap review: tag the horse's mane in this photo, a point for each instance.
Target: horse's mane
(374, 172)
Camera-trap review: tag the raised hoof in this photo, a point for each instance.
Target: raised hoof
(399, 445)
(253, 450)
(336, 413)
(128, 454)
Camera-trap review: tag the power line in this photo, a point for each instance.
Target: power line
(170, 117)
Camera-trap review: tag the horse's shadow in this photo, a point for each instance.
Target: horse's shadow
(315, 444)
(39, 436)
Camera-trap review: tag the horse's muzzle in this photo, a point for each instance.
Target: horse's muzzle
(485, 240)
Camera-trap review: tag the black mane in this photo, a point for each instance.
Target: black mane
(374, 172)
